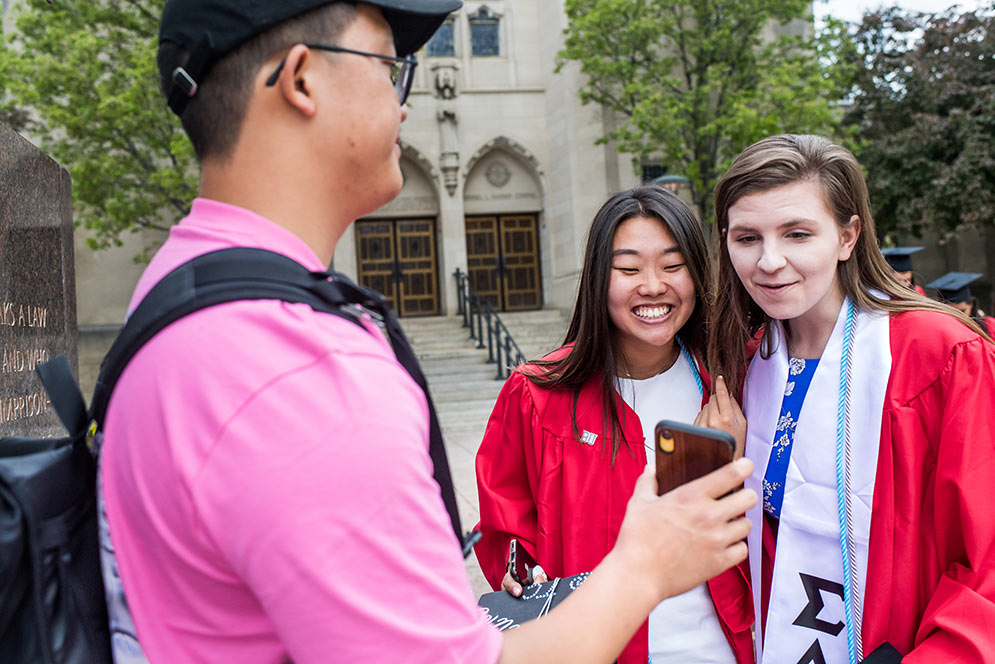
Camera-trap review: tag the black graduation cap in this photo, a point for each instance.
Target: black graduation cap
(953, 286)
(900, 258)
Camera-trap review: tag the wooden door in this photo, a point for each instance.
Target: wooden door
(375, 245)
(417, 288)
(397, 257)
(520, 260)
(503, 260)
(482, 256)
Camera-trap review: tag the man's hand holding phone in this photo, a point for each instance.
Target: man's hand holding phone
(686, 536)
(667, 545)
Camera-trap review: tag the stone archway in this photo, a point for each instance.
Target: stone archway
(510, 146)
(503, 201)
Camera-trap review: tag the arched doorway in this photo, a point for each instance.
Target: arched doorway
(502, 203)
(397, 247)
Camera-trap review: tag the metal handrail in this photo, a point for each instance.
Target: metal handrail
(499, 341)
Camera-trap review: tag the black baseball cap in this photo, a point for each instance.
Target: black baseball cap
(210, 29)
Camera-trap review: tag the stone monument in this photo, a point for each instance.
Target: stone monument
(37, 283)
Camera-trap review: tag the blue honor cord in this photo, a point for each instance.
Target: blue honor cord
(694, 366)
(850, 592)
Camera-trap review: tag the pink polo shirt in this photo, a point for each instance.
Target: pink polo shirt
(268, 486)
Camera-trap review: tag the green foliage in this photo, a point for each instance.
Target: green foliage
(924, 109)
(696, 81)
(85, 73)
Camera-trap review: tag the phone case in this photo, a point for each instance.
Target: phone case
(520, 563)
(685, 452)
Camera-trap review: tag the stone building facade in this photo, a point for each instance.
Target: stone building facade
(502, 179)
(502, 175)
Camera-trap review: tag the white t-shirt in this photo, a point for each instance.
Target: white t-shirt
(683, 629)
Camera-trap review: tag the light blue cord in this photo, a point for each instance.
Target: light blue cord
(842, 431)
(694, 366)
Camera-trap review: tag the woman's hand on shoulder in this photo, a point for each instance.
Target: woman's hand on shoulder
(723, 412)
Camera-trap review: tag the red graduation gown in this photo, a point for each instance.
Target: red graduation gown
(931, 559)
(564, 501)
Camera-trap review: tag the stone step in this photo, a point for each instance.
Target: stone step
(442, 338)
(461, 410)
(448, 398)
(475, 419)
(454, 363)
(530, 314)
(512, 320)
(537, 329)
(469, 379)
(469, 404)
(463, 384)
(523, 339)
(457, 348)
(446, 373)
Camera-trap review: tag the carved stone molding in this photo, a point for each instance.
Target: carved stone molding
(485, 12)
(508, 144)
(449, 162)
(449, 146)
(446, 79)
(412, 153)
(498, 173)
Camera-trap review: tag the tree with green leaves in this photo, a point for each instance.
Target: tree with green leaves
(82, 75)
(924, 110)
(696, 81)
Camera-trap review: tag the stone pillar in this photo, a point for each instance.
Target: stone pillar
(37, 283)
(452, 239)
(449, 149)
(452, 252)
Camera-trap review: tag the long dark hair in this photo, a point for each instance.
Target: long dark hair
(774, 162)
(596, 351)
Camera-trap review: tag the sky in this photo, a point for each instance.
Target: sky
(853, 10)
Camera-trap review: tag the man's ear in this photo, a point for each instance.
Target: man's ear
(294, 83)
(848, 237)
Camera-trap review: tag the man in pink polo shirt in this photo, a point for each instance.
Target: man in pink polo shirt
(265, 474)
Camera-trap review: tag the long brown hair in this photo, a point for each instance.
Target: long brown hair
(774, 162)
(596, 351)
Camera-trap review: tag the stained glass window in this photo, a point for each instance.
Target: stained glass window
(442, 44)
(484, 34)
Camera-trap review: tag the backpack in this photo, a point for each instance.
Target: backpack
(52, 603)
(51, 596)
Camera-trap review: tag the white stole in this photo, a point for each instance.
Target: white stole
(806, 601)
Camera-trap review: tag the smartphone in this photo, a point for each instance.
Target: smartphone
(685, 452)
(520, 564)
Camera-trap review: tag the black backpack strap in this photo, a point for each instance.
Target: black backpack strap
(230, 275)
(227, 275)
(58, 380)
(376, 303)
